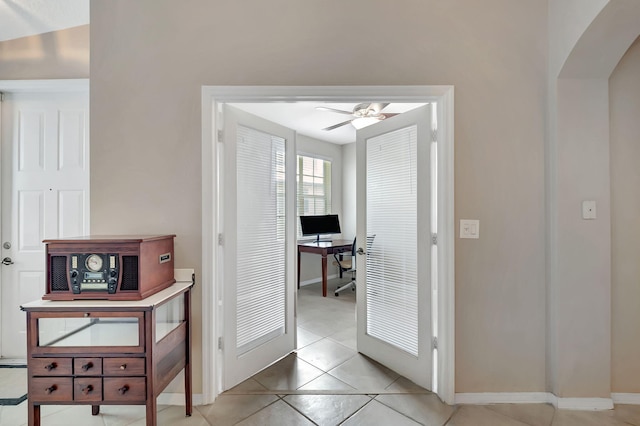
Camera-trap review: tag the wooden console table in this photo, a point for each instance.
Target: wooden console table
(102, 352)
(323, 248)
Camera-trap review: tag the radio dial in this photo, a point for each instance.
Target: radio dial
(113, 273)
(74, 274)
(94, 262)
(112, 281)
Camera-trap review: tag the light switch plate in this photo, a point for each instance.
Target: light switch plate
(469, 228)
(588, 209)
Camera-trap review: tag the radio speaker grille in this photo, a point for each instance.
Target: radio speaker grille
(59, 273)
(129, 273)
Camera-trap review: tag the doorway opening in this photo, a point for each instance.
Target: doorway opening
(213, 129)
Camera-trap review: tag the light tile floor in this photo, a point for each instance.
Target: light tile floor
(328, 383)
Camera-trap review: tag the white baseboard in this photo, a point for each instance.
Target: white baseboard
(626, 398)
(544, 398)
(502, 398)
(583, 403)
(168, 398)
(317, 280)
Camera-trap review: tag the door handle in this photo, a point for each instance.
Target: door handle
(7, 261)
(361, 251)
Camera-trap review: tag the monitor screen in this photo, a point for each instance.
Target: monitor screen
(316, 225)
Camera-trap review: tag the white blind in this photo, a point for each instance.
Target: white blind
(392, 273)
(260, 233)
(314, 187)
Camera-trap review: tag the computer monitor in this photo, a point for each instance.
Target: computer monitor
(320, 225)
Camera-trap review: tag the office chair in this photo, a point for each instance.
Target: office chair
(348, 264)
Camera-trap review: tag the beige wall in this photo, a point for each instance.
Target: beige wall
(58, 54)
(146, 127)
(624, 96)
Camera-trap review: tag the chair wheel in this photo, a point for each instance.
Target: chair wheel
(337, 294)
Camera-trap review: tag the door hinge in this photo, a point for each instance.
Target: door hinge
(220, 345)
(220, 136)
(434, 343)
(220, 240)
(1, 97)
(434, 135)
(434, 239)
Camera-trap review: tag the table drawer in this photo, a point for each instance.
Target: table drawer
(87, 389)
(50, 389)
(123, 366)
(87, 366)
(129, 389)
(50, 366)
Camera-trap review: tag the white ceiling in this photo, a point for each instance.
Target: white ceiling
(304, 118)
(21, 18)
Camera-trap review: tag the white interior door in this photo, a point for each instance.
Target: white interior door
(258, 174)
(45, 194)
(394, 236)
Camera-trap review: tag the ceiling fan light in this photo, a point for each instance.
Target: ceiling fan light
(362, 122)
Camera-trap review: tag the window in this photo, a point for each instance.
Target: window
(314, 187)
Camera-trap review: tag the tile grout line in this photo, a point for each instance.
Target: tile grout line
(358, 410)
(298, 411)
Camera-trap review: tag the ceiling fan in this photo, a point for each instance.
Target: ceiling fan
(363, 115)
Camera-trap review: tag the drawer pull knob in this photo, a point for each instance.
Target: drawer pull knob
(50, 389)
(87, 389)
(87, 366)
(123, 367)
(123, 389)
(50, 366)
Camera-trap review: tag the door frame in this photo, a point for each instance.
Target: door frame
(212, 125)
(36, 86)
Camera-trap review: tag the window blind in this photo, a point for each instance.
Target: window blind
(260, 238)
(314, 187)
(391, 266)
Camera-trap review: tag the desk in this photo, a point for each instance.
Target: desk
(323, 248)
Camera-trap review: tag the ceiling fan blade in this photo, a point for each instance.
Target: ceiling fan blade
(334, 110)
(335, 126)
(378, 106)
(390, 114)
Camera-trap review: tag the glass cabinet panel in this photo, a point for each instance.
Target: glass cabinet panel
(88, 331)
(169, 316)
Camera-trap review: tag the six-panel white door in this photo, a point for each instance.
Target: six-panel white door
(45, 194)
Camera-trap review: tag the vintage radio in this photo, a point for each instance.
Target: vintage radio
(108, 267)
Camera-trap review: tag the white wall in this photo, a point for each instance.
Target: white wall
(349, 190)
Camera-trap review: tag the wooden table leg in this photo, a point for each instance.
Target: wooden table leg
(34, 415)
(324, 275)
(152, 412)
(95, 410)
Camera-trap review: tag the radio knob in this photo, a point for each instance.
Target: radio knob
(112, 281)
(113, 273)
(74, 274)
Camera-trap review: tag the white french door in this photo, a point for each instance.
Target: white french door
(45, 194)
(258, 244)
(394, 242)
